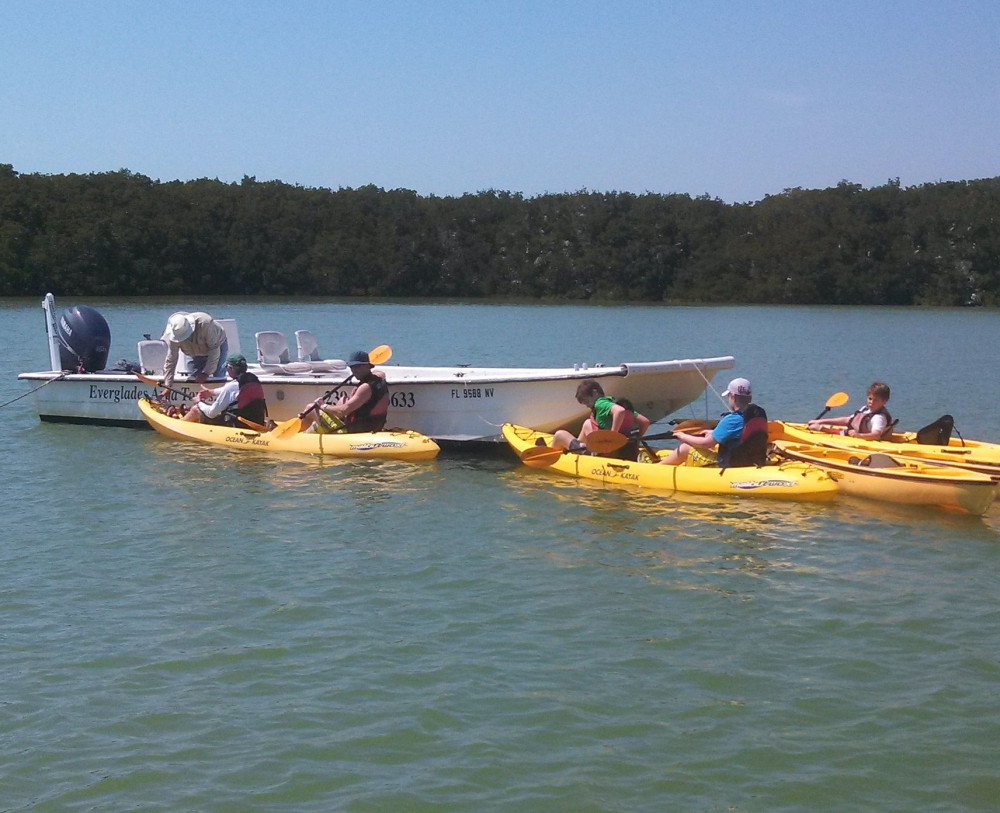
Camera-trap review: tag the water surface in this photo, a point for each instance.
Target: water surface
(187, 628)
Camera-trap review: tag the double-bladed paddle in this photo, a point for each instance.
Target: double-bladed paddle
(379, 355)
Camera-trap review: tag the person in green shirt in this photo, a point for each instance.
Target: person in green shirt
(608, 414)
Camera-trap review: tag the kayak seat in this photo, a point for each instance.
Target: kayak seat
(889, 429)
(272, 347)
(877, 460)
(937, 433)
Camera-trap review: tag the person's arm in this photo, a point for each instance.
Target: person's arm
(170, 364)
(361, 394)
(618, 413)
(702, 440)
(223, 397)
(643, 422)
(820, 424)
(211, 335)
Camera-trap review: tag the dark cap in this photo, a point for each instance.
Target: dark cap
(235, 359)
(358, 357)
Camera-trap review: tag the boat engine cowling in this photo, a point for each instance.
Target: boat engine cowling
(84, 339)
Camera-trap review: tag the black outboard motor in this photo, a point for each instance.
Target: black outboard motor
(84, 339)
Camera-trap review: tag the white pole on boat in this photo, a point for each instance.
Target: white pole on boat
(48, 306)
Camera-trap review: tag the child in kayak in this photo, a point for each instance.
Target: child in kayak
(605, 413)
(870, 422)
(739, 439)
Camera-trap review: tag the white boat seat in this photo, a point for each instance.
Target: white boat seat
(272, 347)
(307, 346)
(232, 334)
(152, 354)
(308, 349)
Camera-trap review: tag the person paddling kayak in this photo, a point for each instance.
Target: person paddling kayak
(739, 439)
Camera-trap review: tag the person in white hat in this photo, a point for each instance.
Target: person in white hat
(739, 439)
(201, 338)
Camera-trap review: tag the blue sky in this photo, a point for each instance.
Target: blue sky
(736, 100)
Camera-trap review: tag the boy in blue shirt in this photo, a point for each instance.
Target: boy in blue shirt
(713, 448)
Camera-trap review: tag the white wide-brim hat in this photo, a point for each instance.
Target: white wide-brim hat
(179, 328)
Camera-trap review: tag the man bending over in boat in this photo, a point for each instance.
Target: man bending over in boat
(364, 411)
(870, 422)
(201, 338)
(240, 397)
(605, 413)
(739, 439)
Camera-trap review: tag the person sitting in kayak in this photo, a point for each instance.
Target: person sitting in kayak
(871, 422)
(739, 439)
(605, 413)
(364, 411)
(240, 397)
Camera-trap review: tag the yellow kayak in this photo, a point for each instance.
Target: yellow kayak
(395, 445)
(788, 480)
(893, 478)
(975, 455)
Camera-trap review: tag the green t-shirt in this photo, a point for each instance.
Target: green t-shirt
(602, 411)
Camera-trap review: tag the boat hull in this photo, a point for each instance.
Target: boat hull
(393, 445)
(910, 482)
(446, 403)
(788, 481)
(973, 455)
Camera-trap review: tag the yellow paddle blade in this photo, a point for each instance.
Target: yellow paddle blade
(145, 379)
(837, 399)
(286, 429)
(603, 441)
(380, 354)
(540, 457)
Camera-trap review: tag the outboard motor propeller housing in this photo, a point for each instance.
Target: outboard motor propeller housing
(84, 339)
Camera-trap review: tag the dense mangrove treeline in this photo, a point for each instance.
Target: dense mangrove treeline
(120, 233)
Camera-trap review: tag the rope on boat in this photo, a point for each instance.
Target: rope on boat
(36, 389)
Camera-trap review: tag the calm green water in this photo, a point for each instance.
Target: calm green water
(185, 628)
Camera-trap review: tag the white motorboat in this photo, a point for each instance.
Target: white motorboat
(446, 403)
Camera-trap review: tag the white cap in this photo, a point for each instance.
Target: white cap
(179, 328)
(738, 386)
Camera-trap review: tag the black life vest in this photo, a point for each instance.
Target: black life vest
(750, 449)
(363, 419)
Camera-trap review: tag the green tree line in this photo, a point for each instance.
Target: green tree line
(123, 234)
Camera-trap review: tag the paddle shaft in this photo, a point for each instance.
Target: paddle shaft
(145, 379)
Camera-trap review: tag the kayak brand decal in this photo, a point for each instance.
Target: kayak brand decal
(473, 392)
(383, 444)
(247, 439)
(748, 485)
(615, 473)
